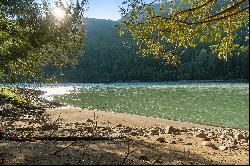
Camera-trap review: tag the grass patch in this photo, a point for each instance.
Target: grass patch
(11, 95)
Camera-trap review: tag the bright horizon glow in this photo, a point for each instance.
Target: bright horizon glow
(59, 13)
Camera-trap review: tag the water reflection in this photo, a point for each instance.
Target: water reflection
(51, 91)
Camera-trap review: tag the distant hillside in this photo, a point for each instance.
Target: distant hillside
(108, 58)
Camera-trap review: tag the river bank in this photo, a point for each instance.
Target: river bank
(69, 135)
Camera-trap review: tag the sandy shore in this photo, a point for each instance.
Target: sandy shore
(78, 115)
(135, 140)
(188, 140)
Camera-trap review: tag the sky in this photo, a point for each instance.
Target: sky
(104, 9)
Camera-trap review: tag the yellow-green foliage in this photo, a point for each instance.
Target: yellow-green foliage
(7, 91)
(12, 95)
(178, 24)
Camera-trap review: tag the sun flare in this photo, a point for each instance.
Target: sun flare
(59, 13)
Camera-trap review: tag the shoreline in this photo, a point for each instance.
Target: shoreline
(134, 116)
(127, 118)
(27, 85)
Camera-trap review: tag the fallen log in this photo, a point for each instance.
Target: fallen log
(57, 138)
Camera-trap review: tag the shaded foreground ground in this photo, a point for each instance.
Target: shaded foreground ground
(78, 136)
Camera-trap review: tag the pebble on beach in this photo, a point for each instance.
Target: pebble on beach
(222, 148)
(207, 143)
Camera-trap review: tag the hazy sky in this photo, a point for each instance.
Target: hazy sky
(104, 9)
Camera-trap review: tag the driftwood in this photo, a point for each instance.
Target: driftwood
(57, 138)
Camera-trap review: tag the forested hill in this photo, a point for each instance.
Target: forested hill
(109, 58)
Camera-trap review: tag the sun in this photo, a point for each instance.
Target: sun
(59, 13)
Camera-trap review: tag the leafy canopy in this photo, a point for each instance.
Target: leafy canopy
(33, 38)
(162, 28)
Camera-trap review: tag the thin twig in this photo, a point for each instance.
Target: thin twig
(53, 153)
(128, 153)
(157, 160)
